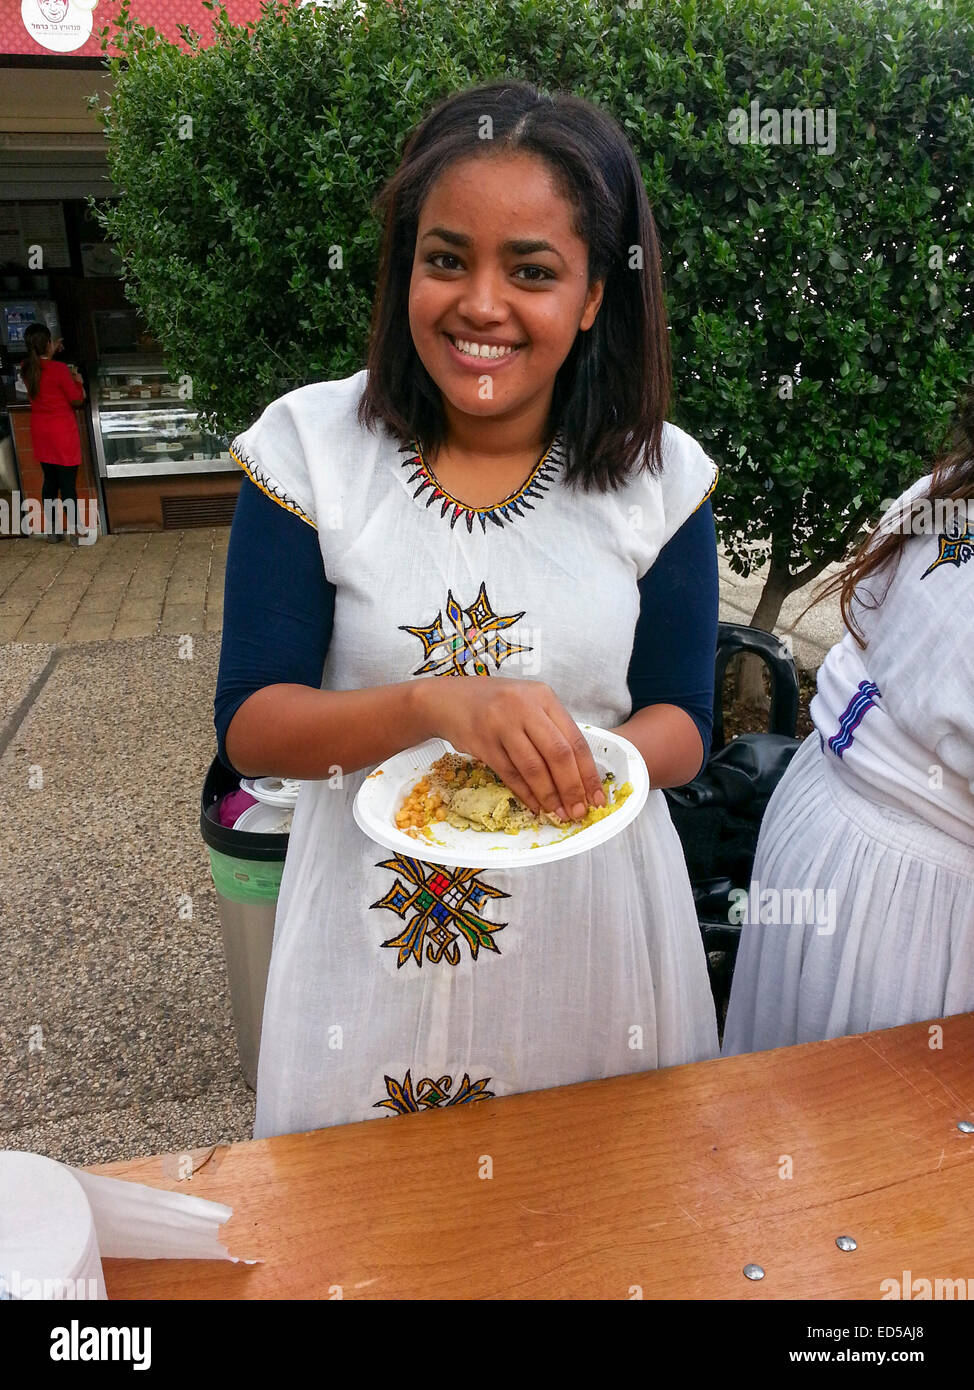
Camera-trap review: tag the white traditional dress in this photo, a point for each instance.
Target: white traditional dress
(395, 984)
(871, 830)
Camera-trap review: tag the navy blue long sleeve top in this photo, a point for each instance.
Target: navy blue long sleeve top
(279, 610)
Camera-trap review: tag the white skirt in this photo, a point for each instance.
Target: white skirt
(890, 939)
(598, 969)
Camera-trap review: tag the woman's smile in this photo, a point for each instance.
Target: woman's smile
(472, 355)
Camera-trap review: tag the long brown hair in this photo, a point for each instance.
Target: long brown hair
(612, 393)
(952, 481)
(36, 339)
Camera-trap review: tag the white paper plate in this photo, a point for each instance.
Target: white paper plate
(272, 791)
(263, 820)
(383, 791)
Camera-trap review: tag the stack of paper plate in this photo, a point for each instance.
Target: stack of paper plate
(49, 1247)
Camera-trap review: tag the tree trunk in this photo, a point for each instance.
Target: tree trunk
(749, 689)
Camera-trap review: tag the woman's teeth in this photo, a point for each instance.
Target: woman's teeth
(480, 350)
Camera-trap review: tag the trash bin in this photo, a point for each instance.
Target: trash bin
(246, 872)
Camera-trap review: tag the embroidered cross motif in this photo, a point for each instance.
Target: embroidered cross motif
(441, 907)
(430, 1094)
(460, 646)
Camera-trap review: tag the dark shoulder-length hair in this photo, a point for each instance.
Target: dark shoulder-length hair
(612, 392)
(952, 480)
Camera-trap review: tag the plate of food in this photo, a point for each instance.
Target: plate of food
(435, 803)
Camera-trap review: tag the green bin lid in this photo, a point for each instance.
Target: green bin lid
(245, 880)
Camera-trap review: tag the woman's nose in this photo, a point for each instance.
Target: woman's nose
(482, 298)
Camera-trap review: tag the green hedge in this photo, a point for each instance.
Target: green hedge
(848, 273)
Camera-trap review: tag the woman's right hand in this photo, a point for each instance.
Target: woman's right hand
(521, 730)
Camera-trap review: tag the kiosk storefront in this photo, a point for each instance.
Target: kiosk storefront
(146, 463)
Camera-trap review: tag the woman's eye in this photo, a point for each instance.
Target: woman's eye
(543, 272)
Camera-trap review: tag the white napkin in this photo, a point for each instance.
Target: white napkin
(56, 1222)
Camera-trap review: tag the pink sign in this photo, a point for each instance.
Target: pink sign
(71, 27)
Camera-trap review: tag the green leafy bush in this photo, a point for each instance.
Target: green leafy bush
(819, 299)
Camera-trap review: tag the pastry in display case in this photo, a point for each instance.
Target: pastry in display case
(144, 427)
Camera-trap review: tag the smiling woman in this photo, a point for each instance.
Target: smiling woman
(516, 515)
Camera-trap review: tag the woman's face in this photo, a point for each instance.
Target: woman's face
(470, 282)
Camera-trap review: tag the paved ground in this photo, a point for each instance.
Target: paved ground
(134, 585)
(116, 1037)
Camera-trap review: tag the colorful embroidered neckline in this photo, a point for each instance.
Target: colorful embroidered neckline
(536, 485)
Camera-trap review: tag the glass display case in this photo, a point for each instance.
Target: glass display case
(143, 427)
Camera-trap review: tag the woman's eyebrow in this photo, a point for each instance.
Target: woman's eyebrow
(517, 248)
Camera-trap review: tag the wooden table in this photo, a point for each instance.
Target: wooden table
(666, 1182)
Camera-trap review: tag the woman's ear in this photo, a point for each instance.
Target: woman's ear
(592, 304)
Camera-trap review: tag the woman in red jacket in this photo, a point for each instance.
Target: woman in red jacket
(54, 390)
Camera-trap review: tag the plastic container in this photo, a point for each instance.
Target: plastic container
(246, 869)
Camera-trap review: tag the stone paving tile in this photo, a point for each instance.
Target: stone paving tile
(109, 577)
(9, 628)
(58, 598)
(145, 585)
(26, 586)
(46, 618)
(17, 608)
(182, 617)
(50, 631)
(183, 601)
(90, 627)
(186, 588)
(137, 608)
(102, 601)
(66, 587)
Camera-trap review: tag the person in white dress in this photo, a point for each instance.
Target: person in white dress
(487, 591)
(861, 909)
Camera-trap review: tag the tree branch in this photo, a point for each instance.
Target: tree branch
(815, 567)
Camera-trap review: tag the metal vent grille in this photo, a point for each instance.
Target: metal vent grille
(178, 513)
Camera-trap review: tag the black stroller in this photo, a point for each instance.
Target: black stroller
(718, 815)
